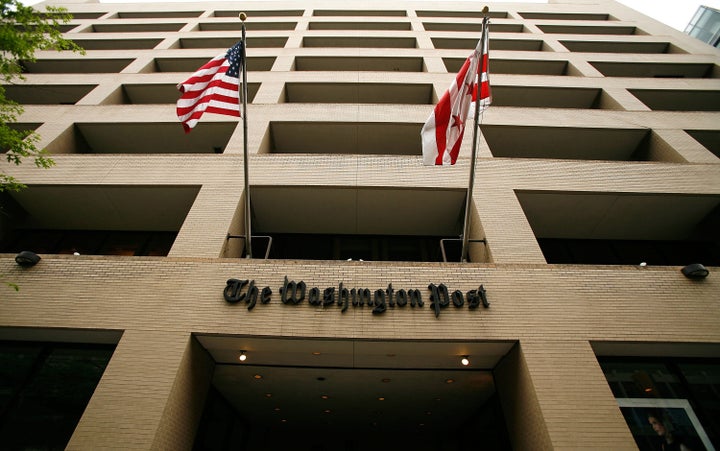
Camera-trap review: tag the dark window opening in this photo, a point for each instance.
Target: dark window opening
(629, 252)
(44, 388)
(694, 380)
(356, 247)
(90, 242)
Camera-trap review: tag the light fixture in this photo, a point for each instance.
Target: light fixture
(693, 271)
(27, 259)
(242, 357)
(257, 376)
(465, 361)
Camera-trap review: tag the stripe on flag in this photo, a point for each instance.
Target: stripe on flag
(214, 88)
(443, 132)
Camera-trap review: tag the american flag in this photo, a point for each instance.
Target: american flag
(443, 132)
(213, 89)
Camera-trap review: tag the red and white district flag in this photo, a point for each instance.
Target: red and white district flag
(213, 89)
(443, 132)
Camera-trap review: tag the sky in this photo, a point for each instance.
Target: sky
(676, 13)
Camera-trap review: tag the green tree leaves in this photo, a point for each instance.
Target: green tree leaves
(23, 31)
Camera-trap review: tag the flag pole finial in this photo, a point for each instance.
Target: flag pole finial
(243, 16)
(485, 10)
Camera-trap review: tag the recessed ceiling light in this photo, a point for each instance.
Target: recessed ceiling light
(324, 396)
(381, 399)
(316, 353)
(386, 380)
(465, 361)
(242, 357)
(268, 395)
(277, 409)
(327, 410)
(283, 420)
(428, 413)
(449, 381)
(257, 376)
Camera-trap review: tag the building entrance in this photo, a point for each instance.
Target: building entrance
(352, 395)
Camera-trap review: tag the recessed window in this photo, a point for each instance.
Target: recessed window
(92, 242)
(620, 47)
(63, 28)
(677, 393)
(46, 386)
(156, 14)
(657, 70)
(358, 12)
(547, 97)
(135, 27)
(250, 26)
(359, 63)
(356, 247)
(576, 143)
(358, 93)
(95, 220)
(472, 26)
(359, 41)
(528, 45)
(624, 228)
(142, 138)
(117, 44)
(47, 94)
(254, 63)
(491, 14)
(226, 43)
(565, 16)
(377, 138)
(76, 66)
(678, 100)
(364, 25)
(370, 224)
(516, 66)
(265, 13)
(79, 15)
(710, 139)
(598, 29)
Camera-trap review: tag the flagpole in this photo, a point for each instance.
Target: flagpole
(243, 93)
(471, 183)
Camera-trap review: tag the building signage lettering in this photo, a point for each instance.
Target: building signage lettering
(294, 293)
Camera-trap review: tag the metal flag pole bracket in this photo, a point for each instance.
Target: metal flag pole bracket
(248, 225)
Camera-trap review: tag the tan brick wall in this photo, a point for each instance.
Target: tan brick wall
(130, 404)
(185, 404)
(523, 416)
(577, 405)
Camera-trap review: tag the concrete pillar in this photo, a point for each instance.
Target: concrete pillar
(151, 395)
(554, 396)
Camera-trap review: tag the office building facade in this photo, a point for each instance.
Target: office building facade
(146, 326)
(705, 25)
